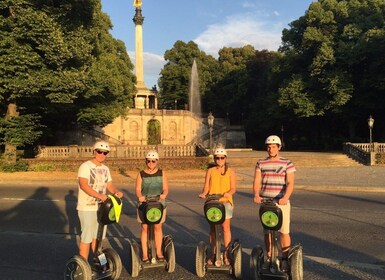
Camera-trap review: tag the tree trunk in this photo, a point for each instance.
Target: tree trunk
(10, 149)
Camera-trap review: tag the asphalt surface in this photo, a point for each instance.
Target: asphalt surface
(333, 179)
(350, 178)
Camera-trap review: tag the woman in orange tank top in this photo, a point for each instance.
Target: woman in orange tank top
(221, 179)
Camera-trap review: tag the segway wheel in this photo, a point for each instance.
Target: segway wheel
(256, 262)
(296, 263)
(77, 268)
(114, 263)
(135, 259)
(200, 259)
(170, 257)
(237, 257)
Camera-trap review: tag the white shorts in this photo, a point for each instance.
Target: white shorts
(285, 229)
(89, 226)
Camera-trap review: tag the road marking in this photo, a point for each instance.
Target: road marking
(328, 261)
(27, 199)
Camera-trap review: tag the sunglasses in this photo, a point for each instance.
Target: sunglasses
(221, 158)
(149, 160)
(101, 152)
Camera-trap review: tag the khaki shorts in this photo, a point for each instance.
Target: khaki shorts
(140, 219)
(285, 229)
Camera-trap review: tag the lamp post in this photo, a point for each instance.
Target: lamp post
(370, 124)
(282, 136)
(176, 104)
(210, 120)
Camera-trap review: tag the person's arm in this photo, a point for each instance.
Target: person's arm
(257, 185)
(165, 186)
(206, 187)
(138, 188)
(233, 182)
(112, 189)
(289, 188)
(83, 183)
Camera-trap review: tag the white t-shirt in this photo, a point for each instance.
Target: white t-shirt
(98, 177)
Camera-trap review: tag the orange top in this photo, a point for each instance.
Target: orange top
(220, 184)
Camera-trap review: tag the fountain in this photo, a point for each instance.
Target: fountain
(194, 95)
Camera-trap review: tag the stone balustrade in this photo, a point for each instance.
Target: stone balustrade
(117, 151)
(365, 153)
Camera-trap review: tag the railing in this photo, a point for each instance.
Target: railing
(117, 151)
(365, 153)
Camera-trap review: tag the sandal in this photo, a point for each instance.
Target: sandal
(226, 259)
(160, 258)
(211, 260)
(146, 261)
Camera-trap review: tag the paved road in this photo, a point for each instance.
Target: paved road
(342, 233)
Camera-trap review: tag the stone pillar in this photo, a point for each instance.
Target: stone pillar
(372, 158)
(120, 151)
(73, 151)
(160, 150)
(138, 20)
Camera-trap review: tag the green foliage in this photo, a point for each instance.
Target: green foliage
(20, 130)
(330, 55)
(19, 166)
(175, 76)
(43, 167)
(153, 129)
(59, 62)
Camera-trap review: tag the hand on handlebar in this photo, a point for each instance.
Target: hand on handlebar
(282, 201)
(118, 194)
(202, 195)
(162, 197)
(102, 197)
(258, 199)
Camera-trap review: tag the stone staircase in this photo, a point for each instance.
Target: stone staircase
(248, 158)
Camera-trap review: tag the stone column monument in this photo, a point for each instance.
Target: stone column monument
(144, 98)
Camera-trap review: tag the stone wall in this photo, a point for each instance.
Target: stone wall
(116, 164)
(177, 127)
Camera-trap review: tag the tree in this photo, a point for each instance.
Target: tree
(227, 97)
(332, 62)
(263, 115)
(60, 67)
(175, 75)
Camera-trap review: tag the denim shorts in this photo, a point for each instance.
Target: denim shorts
(229, 210)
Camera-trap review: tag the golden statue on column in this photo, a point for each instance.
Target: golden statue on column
(137, 3)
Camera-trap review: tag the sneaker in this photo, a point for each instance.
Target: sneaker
(285, 266)
(266, 264)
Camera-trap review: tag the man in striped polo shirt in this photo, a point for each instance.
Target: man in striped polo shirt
(274, 178)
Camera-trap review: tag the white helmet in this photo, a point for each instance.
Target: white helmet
(152, 155)
(220, 152)
(273, 139)
(102, 145)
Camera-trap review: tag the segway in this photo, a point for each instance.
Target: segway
(107, 263)
(152, 210)
(215, 214)
(271, 218)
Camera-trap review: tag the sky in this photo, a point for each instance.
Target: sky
(212, 24)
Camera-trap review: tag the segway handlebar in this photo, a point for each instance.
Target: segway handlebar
(269, 200)
(151, 198)
(214, 196)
